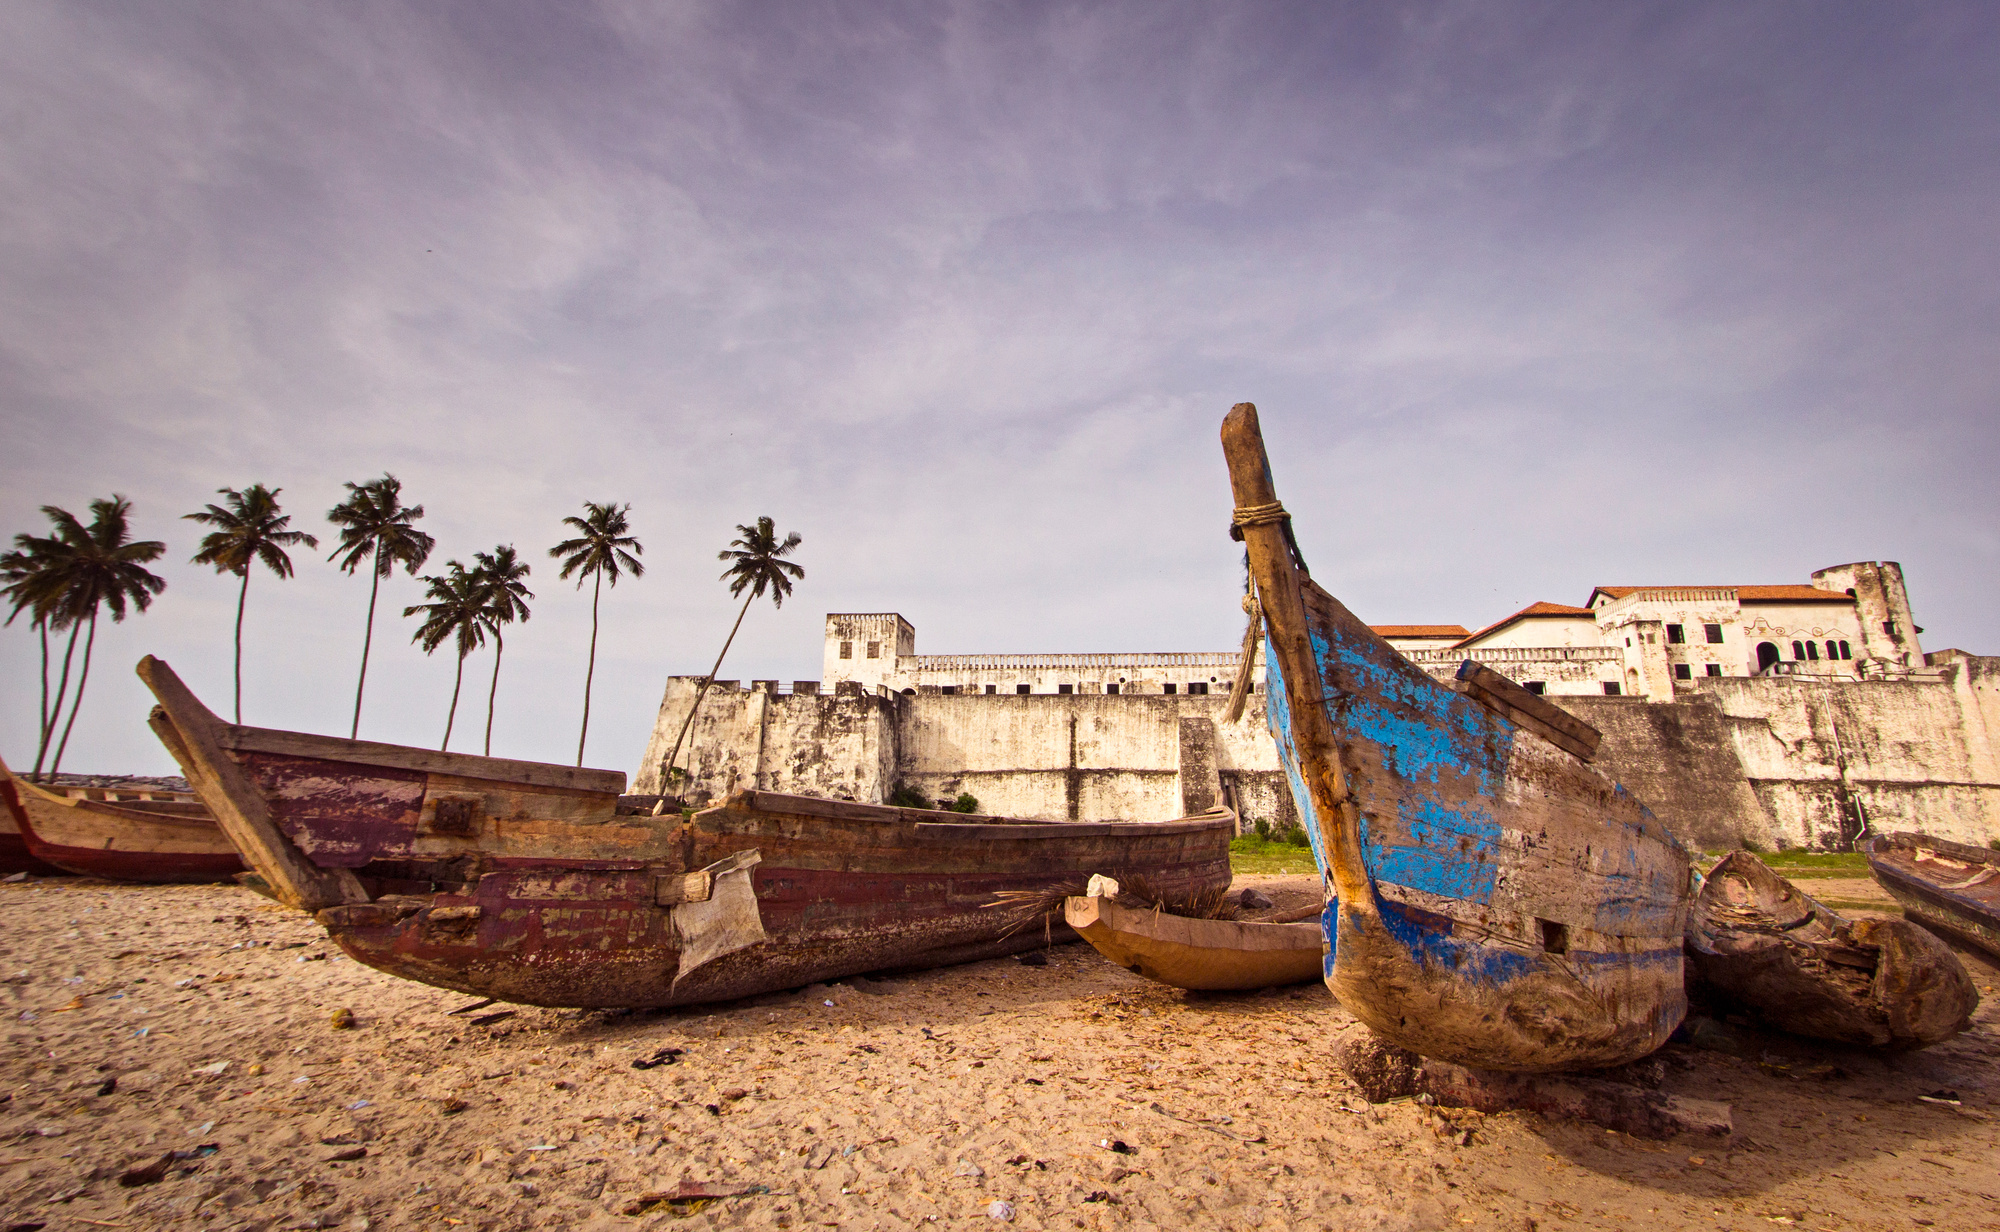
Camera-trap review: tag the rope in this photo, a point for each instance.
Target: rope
(1265, 515)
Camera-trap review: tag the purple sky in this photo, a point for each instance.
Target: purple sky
(1532, 297)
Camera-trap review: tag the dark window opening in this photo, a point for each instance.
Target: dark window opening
(1676, 635)
(909, 692)
(1063, 688)
(1845, 653)
(1683, 671)
(1889, 627)
(1021, 688)
(1798, 650)
(1555, 937)
(1714, 669)
(1812, 651)
(1111, 689)
(1767, 654)
(1168, 688)
(992, 688)
(1611, 688)
(847, 650)
(874, 650)
(1198, 686)
(1713, 633)
(948, 689)
(1537, 687)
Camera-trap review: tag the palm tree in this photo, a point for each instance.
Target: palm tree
(251, 529)
(756, 566)
(456, 611)
(501, 596)
(102, 566)
(375, 522)
(31, 572)
(597, 553)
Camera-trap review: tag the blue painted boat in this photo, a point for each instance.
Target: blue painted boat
(1493, 901)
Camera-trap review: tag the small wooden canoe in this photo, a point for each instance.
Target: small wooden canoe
(1763, 943)
(1953, 889)
(1501, 904)
(523, 882)
(1209, 955)
(155, 841)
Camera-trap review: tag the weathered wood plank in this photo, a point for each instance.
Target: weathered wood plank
(400, 757)
(1539, 715)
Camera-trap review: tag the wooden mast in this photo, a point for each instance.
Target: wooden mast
(188, 729)
(1260, 518)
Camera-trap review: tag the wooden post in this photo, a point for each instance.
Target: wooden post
(1279, 593)
(188, 729)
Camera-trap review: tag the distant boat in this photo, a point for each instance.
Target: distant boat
(524, 882)
(14, 854)
(1767, 945)
(1200, 954)
(1494, 901)
(151, 840)
(1953, 889)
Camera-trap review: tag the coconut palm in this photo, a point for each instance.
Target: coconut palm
(756, 566)
(457, 610)
(251, 529)
(502, 597)
(100, 566)
(601, 549)
(30, 571)
(375, 524)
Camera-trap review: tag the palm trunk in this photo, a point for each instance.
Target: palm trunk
(666, 767)
(42, 627)
(589, 674)
(451, 716)
(241, 596)
(368, 639)
(499, 648)
(55, 767)
(55, 712)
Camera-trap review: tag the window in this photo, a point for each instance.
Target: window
(1767, 654)
(1845, 653)
(1833, 650)
(1683, 671)
(1798, 650)
(1889, 627)
(992, 688)
(1676, 635)
(1021, 688)
(1168, 688)
(1199, 686)
(1063, 688)
(1537, 687)
(948, 690)
(847, 650)
(874, 650)
(1611, 688)
(1812, 651)
(1714, 669)
(1111, 689)
(1713, 633)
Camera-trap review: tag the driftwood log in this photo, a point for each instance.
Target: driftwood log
(1760, 942)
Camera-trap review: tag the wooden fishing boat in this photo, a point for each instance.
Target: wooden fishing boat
(1493, 900)
(1760, 941)
(1186, 952)
(522, 881)
(155, 841)
(1950, 888)
(14, 854)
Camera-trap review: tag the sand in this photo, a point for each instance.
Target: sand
(1079, 1095)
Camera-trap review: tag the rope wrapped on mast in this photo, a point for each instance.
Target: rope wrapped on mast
(1265, 515)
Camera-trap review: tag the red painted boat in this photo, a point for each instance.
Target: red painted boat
(525, 882)
(14, 854)
(1952, 889)
(154, 840)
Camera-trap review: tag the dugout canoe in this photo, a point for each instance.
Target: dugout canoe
(1759, 941)
(1952, 889)
(158, 841)
(1205, 955)
(524, 882)
(1493, 900)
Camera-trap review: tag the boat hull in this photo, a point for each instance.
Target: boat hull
(158, 843)
(1925, 875)
(839, 889)
(1764, 944)
(14, 854)
(1203, 955)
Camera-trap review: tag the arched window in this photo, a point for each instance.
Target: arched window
(1845, 653)
(1767, 654)
(1812, 651)
(1833, 650)
(1799, 651)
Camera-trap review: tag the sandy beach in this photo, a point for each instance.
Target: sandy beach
(193, 1035)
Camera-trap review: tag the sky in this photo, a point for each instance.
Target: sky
(1531, 297)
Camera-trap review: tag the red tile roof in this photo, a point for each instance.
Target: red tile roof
(1451, 631)
(1746, 594)
(1533, 609)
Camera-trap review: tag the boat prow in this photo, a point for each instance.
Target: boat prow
(1205, 955)
(1952, 889)
(155, 841)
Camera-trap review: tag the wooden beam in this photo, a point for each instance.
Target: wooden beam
(426, 761)
(189, 730)
(1536, 713)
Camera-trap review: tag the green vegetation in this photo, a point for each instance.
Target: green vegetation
(599, 552)
(966, 803)
(1805, 864)
(1251, 854)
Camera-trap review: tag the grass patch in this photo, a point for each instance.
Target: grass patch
(1250, 854)
(1805, 864)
